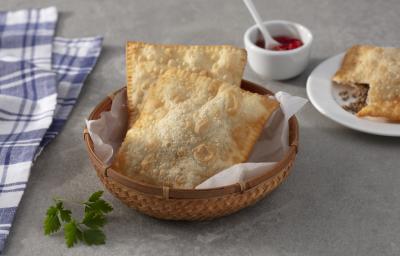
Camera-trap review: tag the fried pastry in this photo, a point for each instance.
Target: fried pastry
(146, 62)
(379, 68)
(191, 127)
(358, 65)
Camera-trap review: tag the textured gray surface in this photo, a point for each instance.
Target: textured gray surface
(343, 197)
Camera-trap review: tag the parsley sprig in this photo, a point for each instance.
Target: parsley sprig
(88, 230)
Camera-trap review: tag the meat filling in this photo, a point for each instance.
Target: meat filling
(359, 95)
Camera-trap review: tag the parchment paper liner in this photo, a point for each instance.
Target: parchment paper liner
(107, 134)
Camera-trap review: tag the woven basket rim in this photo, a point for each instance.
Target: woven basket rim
(167, 192)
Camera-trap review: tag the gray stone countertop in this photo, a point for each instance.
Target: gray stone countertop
(343, 197)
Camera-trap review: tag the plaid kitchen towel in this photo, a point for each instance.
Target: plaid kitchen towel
(40, 80)
(73, 59)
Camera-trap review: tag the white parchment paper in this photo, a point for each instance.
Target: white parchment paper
(108, 132)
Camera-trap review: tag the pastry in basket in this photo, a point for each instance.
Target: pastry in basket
(191, 127)
(145, 62)
(379, 69)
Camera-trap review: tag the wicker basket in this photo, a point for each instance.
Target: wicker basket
(191, 204)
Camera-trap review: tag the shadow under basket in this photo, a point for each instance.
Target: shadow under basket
(192, 204)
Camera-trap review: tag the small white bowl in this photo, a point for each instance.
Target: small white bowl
(278, 65)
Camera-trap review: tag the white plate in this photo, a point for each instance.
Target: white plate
(324, 96)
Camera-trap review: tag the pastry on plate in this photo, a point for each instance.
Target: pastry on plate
(379, 69)
(146, 62)
(192, 126)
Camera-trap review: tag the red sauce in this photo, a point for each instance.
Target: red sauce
(287, 43)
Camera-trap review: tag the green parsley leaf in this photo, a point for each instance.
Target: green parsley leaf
(51, 222)
(53, 210)
(65, 215)
(94, 220)
(88, 230)
(95, 196)
(59, 205)
(72, 233)
(99, 206)
(94, 237)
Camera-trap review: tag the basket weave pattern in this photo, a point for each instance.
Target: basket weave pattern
(175, 204)
(192, 209)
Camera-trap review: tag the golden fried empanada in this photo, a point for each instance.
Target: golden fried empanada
(380, 69)
(191, 127)
(146, 62)
(358, 65)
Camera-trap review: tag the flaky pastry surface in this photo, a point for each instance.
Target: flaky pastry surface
(379, 68)
(146, 62)
(190, 128)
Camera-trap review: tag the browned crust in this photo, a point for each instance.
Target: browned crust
(389, 110)
(367, 64)
(255, 126)
(133, 46)
(347, 74)
(271, 104)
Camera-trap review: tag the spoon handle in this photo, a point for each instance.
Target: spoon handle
(269, 41)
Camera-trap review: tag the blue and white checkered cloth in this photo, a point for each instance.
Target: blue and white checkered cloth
(40, 80)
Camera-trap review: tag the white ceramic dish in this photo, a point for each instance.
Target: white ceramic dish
(324, 96)
(278, 65)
